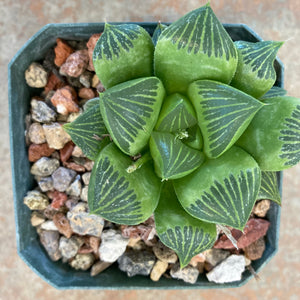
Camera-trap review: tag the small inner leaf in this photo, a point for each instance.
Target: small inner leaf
(87, 131)
(172, 158)
(275, 91)
(221, 191)
(178, 230)
(176, 113)
(118, 196)
(269, 187)
(223, 114)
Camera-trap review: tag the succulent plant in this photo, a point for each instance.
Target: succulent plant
(190, 128)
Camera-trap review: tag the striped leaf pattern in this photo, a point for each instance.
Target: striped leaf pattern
(177, 113)
(269, 187)
(227, 195)
(123, 52)
(115, 195)
(178, 230)
(130, 111)
(172, 158)
(275, 91)
(223, 114)
(195, 47)
(290, 135)
(255, 72)
(87, 131)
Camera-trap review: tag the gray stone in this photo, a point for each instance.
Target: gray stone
(164, 253)
(49, 225)
(36, 200)
(41, 112)
(112, 246)
(36, 133)
(84, 193)
(75, 188)
(46, 184)
(215, 256)
(99, 267)
(187, 274)
(84, 223)
(86, 79)
(45, 166)
(37, 218)
(50, 241)
(137, 262)
(56, 136)
(69, 247)
(229, 270)
(36, 76)
(82, 261)
(62, 178)
(86, 177)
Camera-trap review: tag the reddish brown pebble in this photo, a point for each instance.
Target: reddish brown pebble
(65, 100)
(62, 52)
(36, 151)
(136, 231)
(94, 243)
(54, 83)
(62, 224)
(254, 229)
(255, 250)
(86, 93)
(59, 199)
(66, 151)
(74, 166)
(75, 64)
(85, 249)
(91, 45)
(199, 258)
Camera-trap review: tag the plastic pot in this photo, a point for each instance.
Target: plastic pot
(60, 275)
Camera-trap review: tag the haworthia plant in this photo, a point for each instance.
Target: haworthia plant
(123, 52)
(195, 47)
(186, 235)
(255, 73)
(223, 114)
(273, 137)
(177, 113)
(269, 187)
(115, 195)
(185, 124)
(130, 111)
(221, 191)
(88, 131)
(172, 158)
(157, 32)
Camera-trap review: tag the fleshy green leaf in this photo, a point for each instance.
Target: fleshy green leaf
(273, 137)
(223, 114)
(194, 47)
(87, 131)
(130, 111)
(194, 139)
(172, 158)
(90, 103)
(118, 196)
(269, 187)
(275, 91)
(255, 73)
(178, 230)
(123, 52)
(222, 190)
(176, 113)
(157, 32)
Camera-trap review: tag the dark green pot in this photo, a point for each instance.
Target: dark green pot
(30, 250)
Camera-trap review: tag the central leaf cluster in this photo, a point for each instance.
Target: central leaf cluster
(191, 104)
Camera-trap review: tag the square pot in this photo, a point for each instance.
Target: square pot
(58, 274)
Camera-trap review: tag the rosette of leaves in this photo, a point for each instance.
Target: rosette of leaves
(196, 140)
